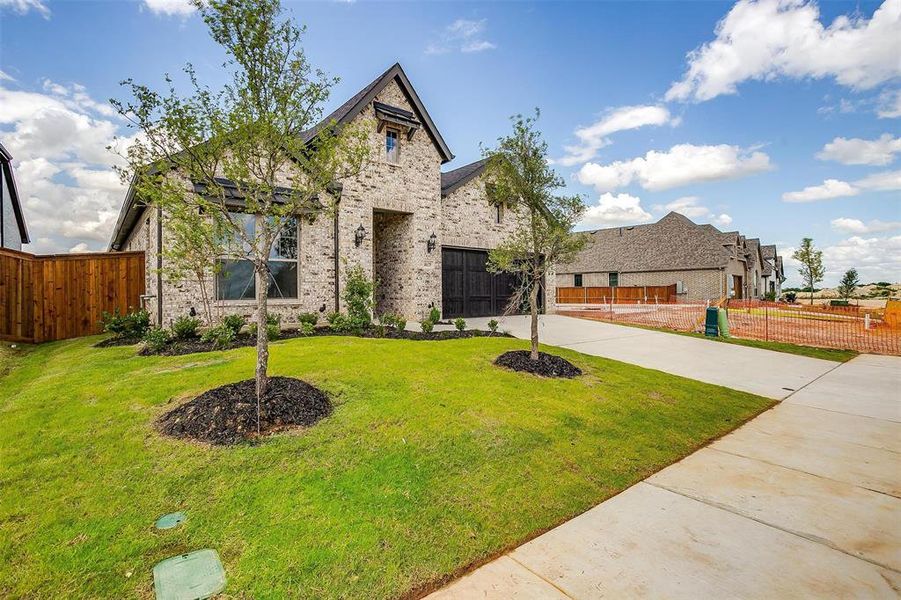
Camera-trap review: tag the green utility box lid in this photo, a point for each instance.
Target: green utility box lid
(189, 576)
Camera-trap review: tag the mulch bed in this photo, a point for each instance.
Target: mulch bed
(228, 415)
(180, 347)
(547, 365)
(117, 341)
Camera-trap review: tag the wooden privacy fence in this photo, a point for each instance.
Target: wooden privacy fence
(59, 296)
(655, 294)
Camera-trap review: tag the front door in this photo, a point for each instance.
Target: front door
(736, 287)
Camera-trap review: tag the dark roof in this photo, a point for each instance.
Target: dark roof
(769, 259)
(6, 158)
(672, 243)
(131, 210)
(355, 105)
(451, 180)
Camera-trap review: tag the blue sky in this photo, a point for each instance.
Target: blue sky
(787, 124)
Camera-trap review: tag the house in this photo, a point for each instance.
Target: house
(773, 271)
(13, 232)
(703, 262)
(422, 234)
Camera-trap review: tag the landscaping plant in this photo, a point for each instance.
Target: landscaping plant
(133, 324)
(273, 327)
(246, 132)
(434, 314)
(221, 336)
(234, 322)
(185, 328)
(811, 261)
(308, 318)
(427, 326)
(460, 323)
(519, 176)
(358, 290)
(156, 339)
(492, 325)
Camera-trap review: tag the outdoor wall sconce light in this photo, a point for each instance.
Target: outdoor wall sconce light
(433, 241)
(360, 235)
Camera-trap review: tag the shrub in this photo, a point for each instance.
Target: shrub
(380, 329)
(273, 327)
(307, 328)
(221, 335)
(396, 321)
(427, 326)
(308, 318)
(434, 315)
(133, 324)
(185, 328)
(235, 323)
(770, 296)
(790, 297)
(156, 339)
(492, 325)
(460, 323)
(339, 322)
(358, 297)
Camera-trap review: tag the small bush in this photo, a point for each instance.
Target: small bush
(380, 329)
(185, 328)
(460, 323)
(308, 318)
(134, 324)
(434, 315)
(770, 296)
(339, 322)
(492, 325)
(790, 297)
(307, 328)
(221, 335)
(235, 323)
(427, 326)
(156, 339)
(396, 321)
(358, 297)
(273, 327)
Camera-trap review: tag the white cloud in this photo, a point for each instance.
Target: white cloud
(169, 8)
(856, 151)
(465, 35)
(615, 209)
(847, 225)
(24, 6)
(831, 188)
(595, 136)
(58, 138)
(691, 207)
(681, 165)
(768, 39)
(884, 181)
(875, 258)
(79, 247)
(889, 105)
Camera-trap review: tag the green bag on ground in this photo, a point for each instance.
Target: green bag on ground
(723, 322)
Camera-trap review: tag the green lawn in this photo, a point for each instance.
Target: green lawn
(432, 459)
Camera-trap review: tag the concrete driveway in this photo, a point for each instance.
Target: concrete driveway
(761, 372)
(803, 501)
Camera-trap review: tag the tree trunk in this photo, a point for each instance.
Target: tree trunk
(205, 298)
(810, 283)
(262, 377)
(533, 307)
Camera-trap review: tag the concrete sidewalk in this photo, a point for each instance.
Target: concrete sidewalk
(801, 502)
(762, 372)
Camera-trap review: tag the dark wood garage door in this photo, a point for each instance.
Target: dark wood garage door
(468, 289)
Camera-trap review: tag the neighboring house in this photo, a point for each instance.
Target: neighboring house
(422, 234)
(13, 232)
(773, 271)
(702, 261)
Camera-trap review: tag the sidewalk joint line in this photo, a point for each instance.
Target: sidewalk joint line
(539, 575)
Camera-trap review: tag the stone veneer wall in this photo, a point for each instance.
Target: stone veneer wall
(468, 220)
(392, 248)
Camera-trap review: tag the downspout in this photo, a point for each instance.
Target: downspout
(159, 266)
(336, 190)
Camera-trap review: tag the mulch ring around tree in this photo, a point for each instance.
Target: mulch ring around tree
(227, 415)
(547, 365)
(181, 347)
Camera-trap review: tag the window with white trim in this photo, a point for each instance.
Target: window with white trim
(236, 281)
(392, 145)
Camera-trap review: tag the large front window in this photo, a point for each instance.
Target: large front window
(236, 281)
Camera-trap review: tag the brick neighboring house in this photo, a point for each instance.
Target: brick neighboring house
(704, 262)
(423, 234)
(13, 232)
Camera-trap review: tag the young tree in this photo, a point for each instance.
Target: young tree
(518, 176)
(848, 284)
(811, 260)
(239, 149)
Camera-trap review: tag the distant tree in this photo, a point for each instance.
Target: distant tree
(518, 176)
(248, 133)
(811, 260)
(848, 284)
